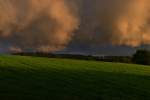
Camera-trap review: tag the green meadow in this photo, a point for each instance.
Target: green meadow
(35, 78)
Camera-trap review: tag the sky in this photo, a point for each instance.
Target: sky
(100, 27)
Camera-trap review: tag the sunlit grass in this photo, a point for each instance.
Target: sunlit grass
(63, 79)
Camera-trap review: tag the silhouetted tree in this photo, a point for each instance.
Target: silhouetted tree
(142, 57)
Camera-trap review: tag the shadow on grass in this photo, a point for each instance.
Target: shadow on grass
(72, 85)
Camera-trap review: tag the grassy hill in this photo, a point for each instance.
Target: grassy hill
(33, 78)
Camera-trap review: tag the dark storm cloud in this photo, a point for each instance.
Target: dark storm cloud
(50, 25)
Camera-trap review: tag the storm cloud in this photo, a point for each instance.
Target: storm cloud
(50, 25)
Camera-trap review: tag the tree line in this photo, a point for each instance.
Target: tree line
(140, 57)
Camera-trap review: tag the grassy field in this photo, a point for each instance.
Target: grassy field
(33, 78)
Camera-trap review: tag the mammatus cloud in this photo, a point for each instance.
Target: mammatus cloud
(49, 25)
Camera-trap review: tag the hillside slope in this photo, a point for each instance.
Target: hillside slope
(33, 78)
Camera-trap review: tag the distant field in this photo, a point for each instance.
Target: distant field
(33, 78)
